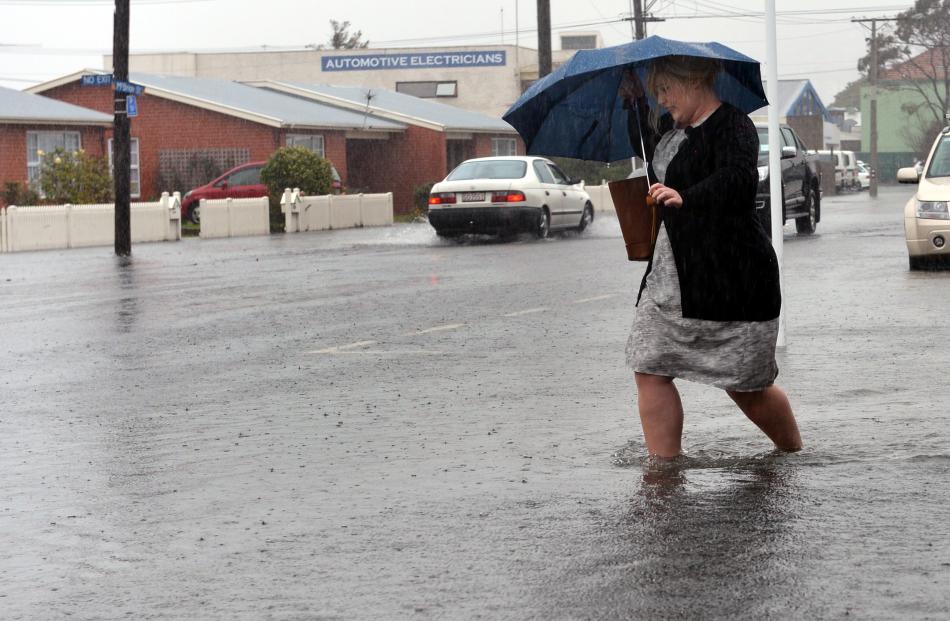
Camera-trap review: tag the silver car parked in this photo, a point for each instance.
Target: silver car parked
(508, 195)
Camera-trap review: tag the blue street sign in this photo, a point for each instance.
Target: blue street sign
(131, 106)
(96, 79)
(128, 88)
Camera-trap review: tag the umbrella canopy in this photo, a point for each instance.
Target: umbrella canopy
(576, 110)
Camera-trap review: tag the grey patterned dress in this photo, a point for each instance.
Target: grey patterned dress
(735, 355)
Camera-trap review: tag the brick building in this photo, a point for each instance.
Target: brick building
(188, 130)
(438, 137)
(30, 124)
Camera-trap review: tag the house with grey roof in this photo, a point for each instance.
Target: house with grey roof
(188, 130)
(800, 106)
(439, 136)
(31, 124)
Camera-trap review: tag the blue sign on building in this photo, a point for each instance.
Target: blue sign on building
(131, 106)
(425, 60)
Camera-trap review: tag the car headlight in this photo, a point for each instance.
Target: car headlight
(763, 173)
(933, 210)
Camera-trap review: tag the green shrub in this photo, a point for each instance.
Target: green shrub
(297, 167)
(16, 193)
(294, 167)
(420, 197)
(74, 177)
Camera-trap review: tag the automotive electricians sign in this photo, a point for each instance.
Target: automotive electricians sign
(437, 60)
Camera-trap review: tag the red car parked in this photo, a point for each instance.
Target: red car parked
(242, 181)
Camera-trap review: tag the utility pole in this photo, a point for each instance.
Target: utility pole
(873, 78)
(640, 32)
(640, 19)
(544, 38)
(872, 189)
(121, 157)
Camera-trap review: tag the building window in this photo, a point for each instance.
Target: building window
(135, 178)
(428, 89)
(503, 147)
(47, 142)
(578, 42)
(313, 142)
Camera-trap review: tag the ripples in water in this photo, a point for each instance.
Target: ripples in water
(634, 455)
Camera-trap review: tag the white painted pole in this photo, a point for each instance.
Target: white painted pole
(775, 154)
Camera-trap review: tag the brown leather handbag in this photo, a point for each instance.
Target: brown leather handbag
(639, 222)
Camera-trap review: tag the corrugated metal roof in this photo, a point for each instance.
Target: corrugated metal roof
(450, 117)
(789, 94)
(287, 110)
(20, 107)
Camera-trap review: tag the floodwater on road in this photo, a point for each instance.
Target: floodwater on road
(380, 424)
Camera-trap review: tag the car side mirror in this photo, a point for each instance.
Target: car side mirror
(788, 152)
(908, 175)
(575, 181)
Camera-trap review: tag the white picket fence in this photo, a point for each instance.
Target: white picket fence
(334, 211)
(52, 227)
(234, 217)
(600, 196)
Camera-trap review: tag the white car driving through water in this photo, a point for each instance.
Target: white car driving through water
(506, 196)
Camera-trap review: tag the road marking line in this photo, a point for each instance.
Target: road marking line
(528, 311)
(450, 326)
(343, 348)
(379, 352)
(596, 298)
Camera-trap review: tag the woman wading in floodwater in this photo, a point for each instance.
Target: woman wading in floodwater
(709, 302)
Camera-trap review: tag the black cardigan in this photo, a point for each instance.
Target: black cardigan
(726, 265)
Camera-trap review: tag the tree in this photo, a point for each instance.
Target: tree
(75, 177)
(888, 51)
(850, 95)
(343, 40)
(917, 56)
(294, 167)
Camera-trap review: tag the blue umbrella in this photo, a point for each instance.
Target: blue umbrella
(576, 111)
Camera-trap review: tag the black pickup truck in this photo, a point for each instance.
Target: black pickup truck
(801, 182)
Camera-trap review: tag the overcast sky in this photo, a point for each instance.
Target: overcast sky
(44, 39)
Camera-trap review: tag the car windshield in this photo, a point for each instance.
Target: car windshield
(940, 162)
(489, 169)
(763, 139)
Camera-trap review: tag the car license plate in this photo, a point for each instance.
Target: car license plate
(471, 197)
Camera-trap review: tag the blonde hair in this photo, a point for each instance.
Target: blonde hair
(683, 71)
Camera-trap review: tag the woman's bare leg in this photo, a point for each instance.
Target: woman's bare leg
(770, 410)
(661, 414)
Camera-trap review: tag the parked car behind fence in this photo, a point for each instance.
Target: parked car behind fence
(242, 181)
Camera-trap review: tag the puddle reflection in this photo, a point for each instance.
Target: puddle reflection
(127, 309)
(701, 542)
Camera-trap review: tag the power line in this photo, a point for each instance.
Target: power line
(60, 3)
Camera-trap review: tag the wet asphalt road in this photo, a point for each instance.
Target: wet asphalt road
(374, 424)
